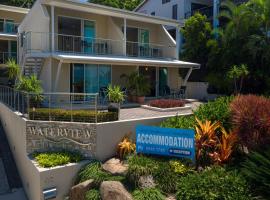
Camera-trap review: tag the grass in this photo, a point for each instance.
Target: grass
(148, 194)
(53, 159)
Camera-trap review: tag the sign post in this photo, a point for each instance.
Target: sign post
(166, 141)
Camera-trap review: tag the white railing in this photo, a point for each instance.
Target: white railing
(5, 56)
(8, 27)
(41, 42)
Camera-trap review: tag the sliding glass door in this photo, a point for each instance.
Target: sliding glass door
(89, 78)
(89, 36)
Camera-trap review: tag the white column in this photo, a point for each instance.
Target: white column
(125, 37)
(187, 77)
(57, 75)
(52, 27)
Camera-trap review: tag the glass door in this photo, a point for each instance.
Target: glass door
(91, 78)
(150, 74)
(10, 26)
(163, 80)
(89, 37)
(144, 42)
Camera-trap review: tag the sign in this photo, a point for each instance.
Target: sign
(165, 141)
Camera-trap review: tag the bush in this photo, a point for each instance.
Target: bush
(148, 194)
(92, 195)
(217, 110)
(213, 184)
(166, 103)
(52, 159)
(256, 169)
(77, 115)
(250, 117)
(185, 122)
(94, 171)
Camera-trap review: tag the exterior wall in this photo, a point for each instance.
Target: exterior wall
(45, 75)
(174, 79)
(197, 90)
(64, 79)
(117, 71)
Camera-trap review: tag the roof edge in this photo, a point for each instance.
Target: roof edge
(14, 9)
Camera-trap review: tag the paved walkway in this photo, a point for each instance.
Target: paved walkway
(10, 182)
(139, 113)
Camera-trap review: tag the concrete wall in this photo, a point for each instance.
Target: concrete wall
(197, 90)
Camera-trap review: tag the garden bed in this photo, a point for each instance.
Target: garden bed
(166, 105)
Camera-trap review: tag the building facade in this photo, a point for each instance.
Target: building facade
(82, 47)
(10, 18)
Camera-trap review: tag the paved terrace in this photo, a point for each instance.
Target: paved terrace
(139, 113)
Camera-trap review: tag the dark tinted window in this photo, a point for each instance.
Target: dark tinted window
(174, 11)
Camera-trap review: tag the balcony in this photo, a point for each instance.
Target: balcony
(208, 11)
(70, 44)
(8, 27)
(5, 56)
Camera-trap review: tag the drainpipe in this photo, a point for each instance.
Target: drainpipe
(125, 37)
(52, 27)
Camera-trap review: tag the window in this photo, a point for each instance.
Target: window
(153, 13)
(174, 11)
(165, 1)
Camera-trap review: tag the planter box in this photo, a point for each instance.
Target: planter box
(187, 108)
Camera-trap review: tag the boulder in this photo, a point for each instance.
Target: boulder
(146, 182)
(114, 190)
(170, 197)
(78, 192)
(115, 167)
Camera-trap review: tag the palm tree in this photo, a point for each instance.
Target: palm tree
(13, 69)
(238, 73)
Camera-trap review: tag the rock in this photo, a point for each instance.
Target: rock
(78, 192)
(170, 197)
(115, 167)
(146, 182)
(114, 190)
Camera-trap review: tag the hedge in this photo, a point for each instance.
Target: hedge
(89, 116)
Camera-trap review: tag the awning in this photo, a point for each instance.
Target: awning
(66, 58)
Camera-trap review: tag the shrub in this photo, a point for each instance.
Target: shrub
(250, 117)
(217, 110)
(126, 146)
(213, 184)
(166, 103)
(46, 114)
(257, 170)
(148, 194)
(94, 171)
(138, 166)
(92, 195)
(185, 122)
(52, 159)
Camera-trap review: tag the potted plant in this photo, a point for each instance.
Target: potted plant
(130, 82)
(142, 88)
(115, 96)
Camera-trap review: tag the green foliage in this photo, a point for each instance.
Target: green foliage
(148, 194)
(122, 4)
(217, 110)
(256, 169)
(45, 114)
(238, 73)
(94, 171)
(52, 159)
(115, 94)
(93, 194)
(213, 184)
(13, 69)
(185, 122)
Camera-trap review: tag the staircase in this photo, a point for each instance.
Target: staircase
(33, 66)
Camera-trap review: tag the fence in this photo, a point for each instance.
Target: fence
(70, 107)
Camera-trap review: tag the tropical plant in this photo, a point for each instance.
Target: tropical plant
(213, 184)
(148, 194)
(13, 69)
(225, 148)
(206, 139)
(185, 122)
(92, 194)
(238, 73)
(115, 94)
(256, 169)
(250, 118)
(142, 86)
(126, 146)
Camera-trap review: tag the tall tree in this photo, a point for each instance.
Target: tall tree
(122, 4)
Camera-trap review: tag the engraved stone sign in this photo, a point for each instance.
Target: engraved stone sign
(55, 136)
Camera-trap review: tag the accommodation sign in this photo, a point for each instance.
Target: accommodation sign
(165, 141)
(54, 136)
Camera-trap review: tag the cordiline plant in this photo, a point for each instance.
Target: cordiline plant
(126, 146)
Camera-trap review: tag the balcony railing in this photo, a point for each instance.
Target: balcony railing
(8, 27)
(5, 56)
(41, 42)
(208, 11)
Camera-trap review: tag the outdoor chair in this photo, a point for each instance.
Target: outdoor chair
(166, 91)
(103, 99)
(124, 90)
(182, 92)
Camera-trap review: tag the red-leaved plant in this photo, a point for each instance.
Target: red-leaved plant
(251, 120)
(167, 103)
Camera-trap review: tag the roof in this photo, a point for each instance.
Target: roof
(110, 11)
(67, 58)
(140, 5)
(14, 9)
